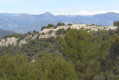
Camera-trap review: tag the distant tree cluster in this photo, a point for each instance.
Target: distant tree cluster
(60, 24)
(48, 26)
(60, 32)
(69, 24)
(51, 25)
(116, 23)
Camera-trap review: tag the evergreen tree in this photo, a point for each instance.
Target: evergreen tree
(50, 25)
(78, 48)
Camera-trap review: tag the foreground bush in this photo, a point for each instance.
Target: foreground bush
(47, 67)
(55, 68)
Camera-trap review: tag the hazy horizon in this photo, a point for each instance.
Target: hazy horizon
(83, 13)
(62, 7)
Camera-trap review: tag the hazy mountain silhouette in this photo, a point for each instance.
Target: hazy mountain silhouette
(23, 23)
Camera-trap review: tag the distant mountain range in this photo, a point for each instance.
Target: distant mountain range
(23, 23)
(5, 32)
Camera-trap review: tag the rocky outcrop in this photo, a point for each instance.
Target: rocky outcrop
(46, 33)
(13, 41)
(9, 41)
(35, 36)
(22, 42)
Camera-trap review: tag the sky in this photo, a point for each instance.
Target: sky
(58, 7)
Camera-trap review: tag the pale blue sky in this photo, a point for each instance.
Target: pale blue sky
(58, 6)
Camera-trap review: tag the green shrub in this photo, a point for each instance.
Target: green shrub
(60, 32)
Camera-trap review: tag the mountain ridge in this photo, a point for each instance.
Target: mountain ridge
(5, 32)
(23, 23)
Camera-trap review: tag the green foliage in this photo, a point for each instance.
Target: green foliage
(50, 25)
(75, 54)
(34, 47)
(78, 48)
(17, 68)
(75, 42)
(49, 45)
(69, 24)
(21, 36)
(34, 31)
(43, 28)
(60, 32)
(116, 23)
(47, 67)
(60, 24)
(55, 68)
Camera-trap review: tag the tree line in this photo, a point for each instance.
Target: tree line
(55, 26)
(116, 23)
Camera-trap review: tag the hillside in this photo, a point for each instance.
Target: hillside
(5, 32)
(65, 53)
(22, 23)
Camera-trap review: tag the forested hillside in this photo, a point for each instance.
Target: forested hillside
(75, 55)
